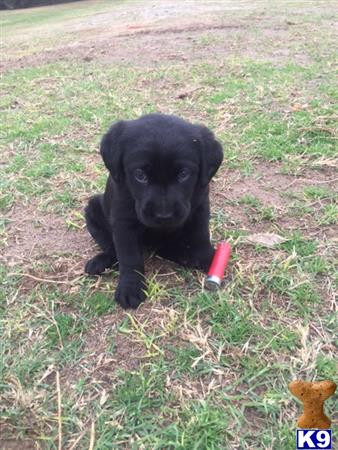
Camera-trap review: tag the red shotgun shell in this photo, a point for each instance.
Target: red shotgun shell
(218, 265)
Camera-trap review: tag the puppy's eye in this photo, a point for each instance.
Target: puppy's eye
(183, 175)
(141, 176)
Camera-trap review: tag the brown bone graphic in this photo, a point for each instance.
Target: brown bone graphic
(313, 396)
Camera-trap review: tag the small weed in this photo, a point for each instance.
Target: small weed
(316, 265)
(292, 165)
(100, 303)
(304, 294)
(66, 199)
(299, 209)
(184, 357)
(63, 327)
(155, 290)
(250, 200)
(268, 213)
(209, 39)
(302, 247)
(317, 192)
(6, 201)
(327, 367)
(257, 211)
(329, 215)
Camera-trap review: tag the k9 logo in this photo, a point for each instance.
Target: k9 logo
(314, 439)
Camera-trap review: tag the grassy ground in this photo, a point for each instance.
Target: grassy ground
(188, 369)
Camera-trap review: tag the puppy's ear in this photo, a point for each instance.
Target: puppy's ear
(211, 155)
(111, 151)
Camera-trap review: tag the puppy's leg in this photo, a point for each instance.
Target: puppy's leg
(100, 262)
(98, 227)
(128, 243)
(193, 248)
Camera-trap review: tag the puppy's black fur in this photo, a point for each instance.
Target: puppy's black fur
(157, 195)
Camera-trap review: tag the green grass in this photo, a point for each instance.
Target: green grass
(13, 20)
(189, 369)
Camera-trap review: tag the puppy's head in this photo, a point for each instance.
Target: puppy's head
(165, 162)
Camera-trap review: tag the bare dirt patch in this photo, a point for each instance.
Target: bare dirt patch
(268, 182)
(99, 360)
(273, 189)
(31, 234)
(111, 346)
(144, 47)
(152, 34)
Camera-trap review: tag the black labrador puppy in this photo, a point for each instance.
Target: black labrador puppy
(157, 195)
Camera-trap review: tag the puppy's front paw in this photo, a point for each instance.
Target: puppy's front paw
(189, 256)
(99, 263)
(130, 293)
(202, 260)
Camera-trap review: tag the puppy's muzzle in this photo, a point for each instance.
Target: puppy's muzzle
(163, 218)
